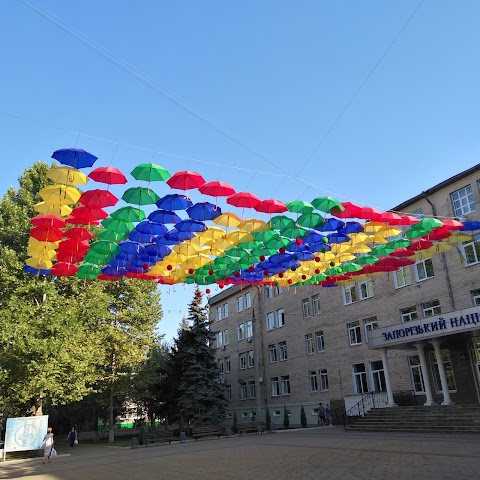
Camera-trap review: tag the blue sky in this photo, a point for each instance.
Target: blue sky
(275, 75)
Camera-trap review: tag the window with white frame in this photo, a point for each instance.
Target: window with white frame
(323, 380)
(243, 361)
(306, 308)
(228, 365)
(219, 314)
(309, 344)
(226, 337)
(471, 252)
(316, 304)
(243, 391)
(424, 269)
(365, 289)
(275, 386)
(280, 317)
(320, 341)
(416, 375)
(241, 331)
(463, 201)
(282, 347)
(286, 385)
(250, 359)
(378, 376)
(228, 392)
(268, 292)
(402, 277)
(249, 329)
(476, 296)
(354, 333)
(270, 320)
(248, 300)
(239, 304)
(431, 308)
(313, 382)
(251, 390)
(225, 310)
(349, 294)
(360, 378)
(447, 365)
(409, 314)
(219, 339)
(370, 324)
(278, 290)
(272, 353)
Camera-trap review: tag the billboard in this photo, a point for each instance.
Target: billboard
(25, 433)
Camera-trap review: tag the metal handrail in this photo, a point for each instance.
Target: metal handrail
(364, 405)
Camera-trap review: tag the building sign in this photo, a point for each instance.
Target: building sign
(25, 433)
(429, 327)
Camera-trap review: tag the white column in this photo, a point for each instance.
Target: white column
(391, 401)
(443, 377)
(426, 378)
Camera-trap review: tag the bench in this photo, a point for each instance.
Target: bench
(251, 427)
(206, 431)
(155, 435)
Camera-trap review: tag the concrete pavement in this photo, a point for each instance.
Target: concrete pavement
(290, 455)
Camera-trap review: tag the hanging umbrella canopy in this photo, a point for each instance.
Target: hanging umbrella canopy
(216, 189)
(64, 269)
(39, 264)
(128, 214)
(59, 195)
(78, 233)
(151, 228)
(391, 218)
(67, 176)
(56, 210)
(367, 259)
(110, 235)
(108, 175)
(325, 204)
(399, 243)
(203, 211)
(295, 232)
(70, 257)
(185, 180)
(119, 226)
(229, 220)
(244, 200)
(190, 226)
(140, 196)
(88, 271)
(90, 213)
(46, 234)
(254, 225)
(332, 225)
(471, 226)
(75, 157)
(408, 220)
(419, 245)
(310, 220)
(282, 222)
(300, 206)
(373, 226)
(48, 221)
(39, 251)
(452, 224)
(164, 216)
(430, 223)
(350, 210)
(271, 206)
(369, 213)
(174, 201)
(105, 247)
(98, 198)
(351, 227)
(150, 173)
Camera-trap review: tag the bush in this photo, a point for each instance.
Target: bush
(268, 420)
(286, 420)
(303, 418)
(234, 426)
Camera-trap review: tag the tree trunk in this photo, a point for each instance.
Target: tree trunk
(111, 433)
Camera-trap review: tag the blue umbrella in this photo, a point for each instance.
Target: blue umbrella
(114, 271)
(470, 226)
(157, 250)
(127, 257)
(319, 247)
(174, 237)
(174, 201)
(305, 255)
(140, 237)
(313, 237)
(74, 157)
(151, 260)
(130, 247)
(279, 258)
(331, 225)
(337, 238)
(164, 216)
(190, 226)
(151, 228)
(351, 227)
(35, 271)
(203, 211)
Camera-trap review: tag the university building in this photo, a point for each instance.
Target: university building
(414, 330)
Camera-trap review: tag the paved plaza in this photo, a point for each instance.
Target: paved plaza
(315, 453)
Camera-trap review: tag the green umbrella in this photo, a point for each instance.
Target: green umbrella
(235, 252)
(278, 243)
(265, 236)
(225, 261)
(351, 267)
(325, 204)
(105, 247)
(140, 196)
(118, 226)
(300, 206)
(295, 232)
(88, 271)
(129, 214)
(280, 222)
(265, 251)
(150, 173)
(399, 243)
(429, 223)
(417, 231)
(311, 220)
(110, 235)
(382, 250)
(367, 259)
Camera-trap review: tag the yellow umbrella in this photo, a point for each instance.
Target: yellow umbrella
(361, 248)
(458, 238)
(48, 209)
(344, 257)
(389, 231)
(59, 195)
(33, 242)
(67, 176)
(376, 239)
(238, 236)
(213, 233)
(373, 226)
(356, 238)
(340, 247)
(229, 220)
(201, 259)
(39, 263)
(254, 225)
(39, 251)
(222, 244)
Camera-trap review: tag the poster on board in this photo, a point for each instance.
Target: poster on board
(25, 433)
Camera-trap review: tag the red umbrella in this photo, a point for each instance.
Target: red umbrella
(391, 218)
(109, 175)
(64, 269)
(351, 210)
(91, 213)
(271, 206)
(185, 180)
(244, 199)
(369, 213)
(217, 189)
(78, 233)
(47, 234)
(70, 257)
(408, 220)
(73, 245)
(420, 244)
(48, 221)
(452, 224)
(402, 252)
(438, 234)
(98, 198)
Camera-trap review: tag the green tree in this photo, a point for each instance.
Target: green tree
(303, 417)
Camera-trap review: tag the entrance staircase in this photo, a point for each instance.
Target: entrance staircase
(451, 419)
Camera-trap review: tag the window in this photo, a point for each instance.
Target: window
(270, 321)
(228, 392)
(248, 300)
(251, 390)
(416, 374)
(241, 331)
(366, 289)
(226, 337)
(378, 376)
(475, 297)
(286, 385)
(225, 310)
(409, 314)
(306, 308)
(249, 329)
(276, 413)
(463, 202)
(250, 359)
(349, 294)
(354, 333)
(309, 342)
(280, 317)
(320, 341)
(275, 387)
(402, 277)
(278, 291)
(360, 378)
(424, 269)
(243, 391)
(431, 308)
(268, 292)
(418, 213)
(447, 364)
(316, 304)
(219, 339)
(323, 380)
(244, 414)
(219, 314)
(471, 252)
(370, 324)
(221, 365)
(239, 304)
(313, 382)
(243, 361)
(228, 365)
(272, 353)
(282, 346)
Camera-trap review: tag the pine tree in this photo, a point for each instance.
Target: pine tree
(303, 417)
(286, 420)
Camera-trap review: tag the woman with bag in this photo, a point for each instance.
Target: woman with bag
(72, 437)
(48, 445)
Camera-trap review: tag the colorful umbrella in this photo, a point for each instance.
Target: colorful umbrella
(203, 211)
(271, 206)
(67, 176)
(88, 271)
(75, 157)
(64, 269)
(90, 213)
(185, 180)
(48, 221)
(325, 204)
(119, 226)
(140, 196)
(98, 198)
(151, 228)
(190, 226)
(46, 234)
(243, 199)
(108, 175)
(39, 263)
(111, 235)
(216, 189)
(164, 216)
(59, 195)
(311, 220)
(78, 233)
(48, 209)
(229, 220)
(129, 214)
(174, 201)
(299, 206)
(150, 173)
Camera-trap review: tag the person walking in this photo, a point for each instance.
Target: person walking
(48, 445)
(321, 414)
(72, 437)
(328, 415)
